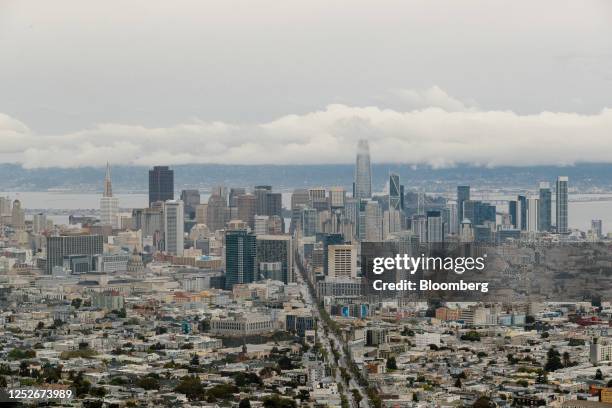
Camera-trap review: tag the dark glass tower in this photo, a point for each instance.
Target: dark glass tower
(161, 184)
(463, 195)
(544, 208)
(240, 256)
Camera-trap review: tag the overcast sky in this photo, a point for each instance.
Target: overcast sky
(181, 81)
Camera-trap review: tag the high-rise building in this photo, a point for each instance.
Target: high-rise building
(341, 261)
(561, 205)
(161, 184)
(109, 205)
(363, 171)
(533, 214)
(240, 257)
(337, 197)
(66, 246)
(39, 223)
(261, 199)
(596, 228)
(216, 213)
(521, 213)
(300, 198)
(463, 195)
(435, 227)
(276, 248)
(274, 204)
(394, 192)
(309, 221)
(247, 208)
(17, 216)
(370, 221)
(512, 213)
(453, 223)
(235, 192)
(545, 208)
(174, 227)
(191, 199)
(392, 222)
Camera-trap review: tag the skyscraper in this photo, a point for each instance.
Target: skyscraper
(463, 194)
(109, 205)
(276, 248)
(341, 261)
(17, 215)
(363, 171)
(394, 192)
(247, 208)
(545, 207)
(561, 193)
(533, 214)
(435, 227)
(215, 212)
(337, 197)
(65, 246)
(174, 227)
(161, 184)
(191, 199)
(240, 257)
(521, 213)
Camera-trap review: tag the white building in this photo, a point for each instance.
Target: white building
(341, 261)
(174, 227)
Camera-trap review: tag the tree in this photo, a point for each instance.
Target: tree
(483, 402)
(545, 335)
(244, 403)
(285, 363)
(598, 374)
(566, 359)
(148, 383)
(391, 363)
(195, 360)
(275, 401)
(553, 360)
(192, 388)
(542, 377)
(458, 383)
(356, 396)
(2, 382)
(243, 379)
(76, 303)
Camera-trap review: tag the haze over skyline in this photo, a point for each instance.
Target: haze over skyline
(438, 83)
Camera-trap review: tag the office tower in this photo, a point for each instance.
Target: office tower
(453, 222)
(370, 221)
(337, 197)
(562, 213)
(274, 204)
(394, 192)
(341, 261)
(392, 222)
(545, 209)
(276, 248)
(362, 187)
(17, 215)
(435, 227)
(261, 196)
(533, 214)
(513, 213)
(39, 223)
(261, 224)
(299, 199)
(161, 184)
(148, 220)
(318, 199)
(596, 228)
(66, 246)
(201, 214)
(215, 213)
(5, 206)
(173, 227)
(309, 221)
(478, 212)
(247, 208)
(521, 212)
(463, 194)
(235, 192)
(402, 196)
(419, 227)
(190, 199)
(109, 205)
(240, 257)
